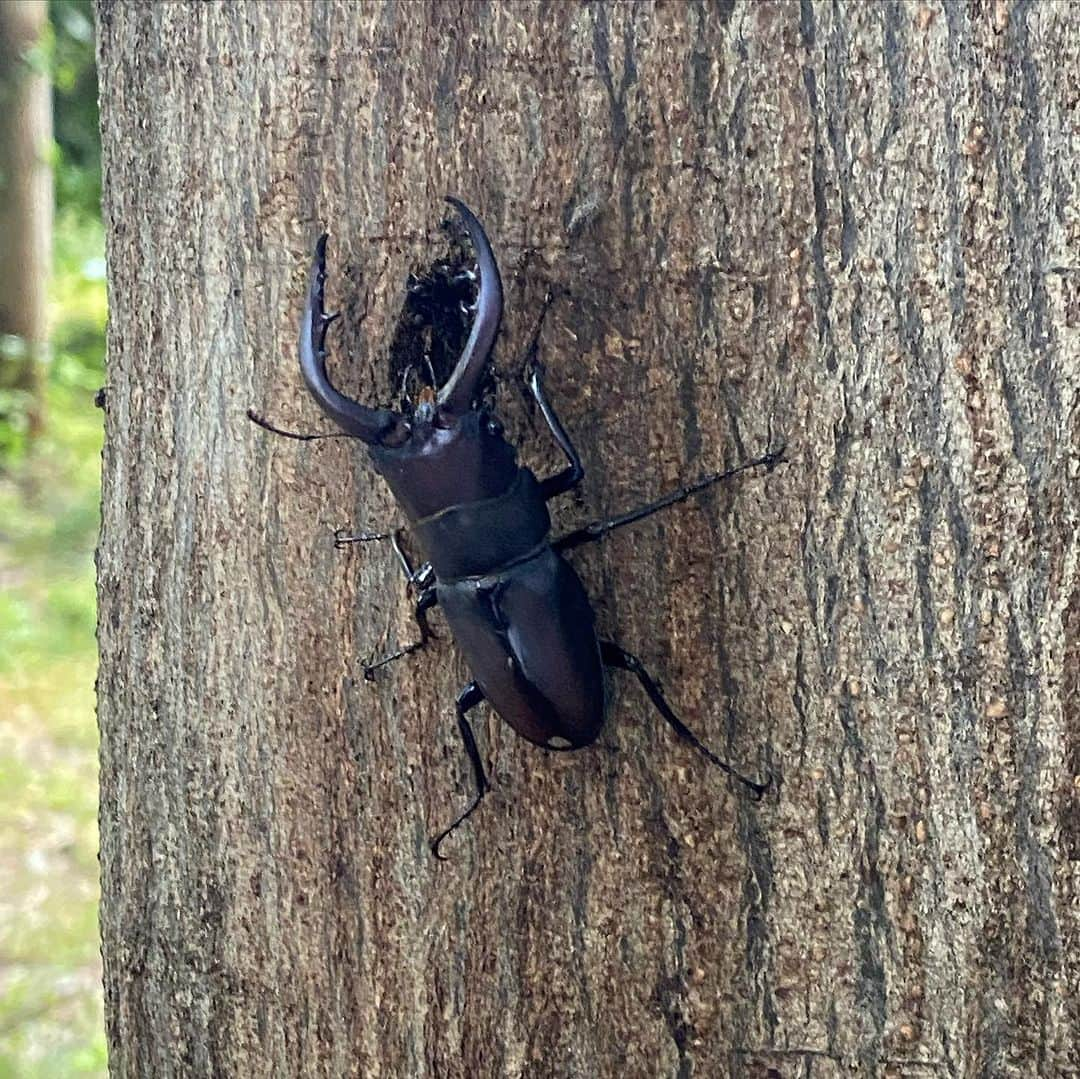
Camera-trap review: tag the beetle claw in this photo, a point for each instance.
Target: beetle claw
(759, 790)
(458, 392)
(370, 425)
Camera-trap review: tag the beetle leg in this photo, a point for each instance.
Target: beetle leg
(614, 656)
(598, 529)
(467, 699)
(342, 537)
(421, 577)
(574, 473)
(424, 577)
(426, 600)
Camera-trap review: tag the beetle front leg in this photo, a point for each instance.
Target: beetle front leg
(619, 658)
(574, 473)
(427, 599)
(421, 577)
(467, 699)
(343, 537)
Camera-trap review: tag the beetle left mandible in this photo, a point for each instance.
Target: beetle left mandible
(516, 608)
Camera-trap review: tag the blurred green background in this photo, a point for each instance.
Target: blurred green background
(50, 978)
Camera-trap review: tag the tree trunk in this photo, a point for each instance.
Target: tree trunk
(850, 227)
(26, 202)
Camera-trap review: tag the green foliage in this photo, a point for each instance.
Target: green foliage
(50, 979)
(75, 106)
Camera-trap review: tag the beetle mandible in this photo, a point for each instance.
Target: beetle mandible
(515, 607)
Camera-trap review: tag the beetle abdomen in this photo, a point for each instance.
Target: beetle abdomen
(527, 634)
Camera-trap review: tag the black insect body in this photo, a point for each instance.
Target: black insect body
(516, 608)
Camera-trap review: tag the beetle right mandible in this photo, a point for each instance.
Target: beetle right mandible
(516, 608)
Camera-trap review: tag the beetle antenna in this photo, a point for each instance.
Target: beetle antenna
(268, 426)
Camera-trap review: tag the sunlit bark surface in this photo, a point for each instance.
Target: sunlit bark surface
(852, 227)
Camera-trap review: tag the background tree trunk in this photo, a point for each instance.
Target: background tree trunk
(26, 202)
(853, 227)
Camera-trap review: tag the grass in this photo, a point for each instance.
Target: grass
(51, 1021)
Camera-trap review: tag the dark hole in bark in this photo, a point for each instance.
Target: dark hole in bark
(433, 326)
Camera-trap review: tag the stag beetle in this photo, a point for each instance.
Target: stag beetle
(515, 607)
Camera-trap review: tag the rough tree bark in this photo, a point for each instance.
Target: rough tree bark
(26, 202)
(851, 226)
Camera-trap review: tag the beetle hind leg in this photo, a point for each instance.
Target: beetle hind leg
(467, 699)
(614, 656)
